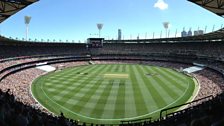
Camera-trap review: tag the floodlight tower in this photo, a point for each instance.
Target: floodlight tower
(27, 22)
(176, 33)
(205, 29)
(166, 26)
(213, 28)
(99, 26)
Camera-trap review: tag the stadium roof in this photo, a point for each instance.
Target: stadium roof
(209, 37)
(215, 6)
(10, 7)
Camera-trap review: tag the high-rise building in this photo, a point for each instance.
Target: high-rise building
(119, 34)
(189, 33)
(198, 32)
(195, 33)
(183, 33)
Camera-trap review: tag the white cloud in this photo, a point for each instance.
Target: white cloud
(161, 5)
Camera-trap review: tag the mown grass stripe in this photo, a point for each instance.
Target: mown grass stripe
(87, 105)
(166, 90)
(62, 79)
(108, 111)
(78, 88)
(130, 108)
(170, 87)
(110, 104)
(81, 105)
(39, 96)
(123, 68)
(148, 84)
(139, 100)
(116, 68)
(111, 67)
(120, 102)
(88, 108)
(176, 75)
(175, 81)
(90, 105)
(103, 99)
(63, 91)
(67, 71)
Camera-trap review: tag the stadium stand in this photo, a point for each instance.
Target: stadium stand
(9, 47)
(180, 53)
(17, 56)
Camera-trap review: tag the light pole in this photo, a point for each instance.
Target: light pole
(205, 29)
(166, 26)
(213, 28)
(161, 34)
(27, 21)
(99, 26)
(176, 33)
(168, 34)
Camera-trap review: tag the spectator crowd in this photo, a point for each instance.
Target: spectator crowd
(20, 106)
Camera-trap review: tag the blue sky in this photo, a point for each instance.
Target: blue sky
(76, 19)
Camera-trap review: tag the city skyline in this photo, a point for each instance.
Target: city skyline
(76, 20)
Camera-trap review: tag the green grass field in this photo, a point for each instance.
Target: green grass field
(111, 93)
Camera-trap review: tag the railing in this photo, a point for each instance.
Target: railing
(178, 106)
(144, 120)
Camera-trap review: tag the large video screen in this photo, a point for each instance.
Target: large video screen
(95, 42)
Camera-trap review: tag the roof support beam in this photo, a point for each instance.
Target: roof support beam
(10, 7)
(215, 6)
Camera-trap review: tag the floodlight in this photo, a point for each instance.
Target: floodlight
(99, 26)
(166, 25)
(27, 22)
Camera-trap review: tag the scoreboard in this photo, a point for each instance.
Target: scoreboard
(95, 42)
